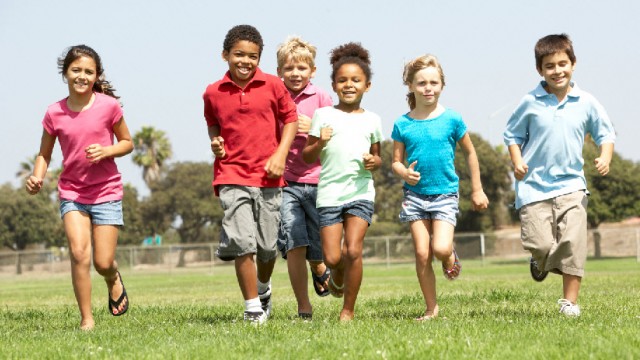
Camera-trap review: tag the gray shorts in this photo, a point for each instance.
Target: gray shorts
(250, 223)
(555, 232)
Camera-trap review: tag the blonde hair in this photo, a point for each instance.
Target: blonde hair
(415, 65)
(296, 49)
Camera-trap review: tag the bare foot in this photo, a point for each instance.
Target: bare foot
(346, 315)
(429, 314)
(87, 324)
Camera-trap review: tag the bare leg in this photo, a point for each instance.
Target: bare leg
(77, 226)
(424, 269)
(354, 231)
(247, 276)
(265, 269)
(297, 266)
(442, 242)
(105, 239)
(331, 237)
(571, 287)
(318, 268)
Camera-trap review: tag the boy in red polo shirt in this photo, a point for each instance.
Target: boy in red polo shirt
(251, 121)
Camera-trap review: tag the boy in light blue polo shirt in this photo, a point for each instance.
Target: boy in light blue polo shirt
(545, 136)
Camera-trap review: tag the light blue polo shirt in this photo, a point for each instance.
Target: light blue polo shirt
(551, 135)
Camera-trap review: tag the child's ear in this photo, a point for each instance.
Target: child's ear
(279, 72)
(225, 55)
(313, 72)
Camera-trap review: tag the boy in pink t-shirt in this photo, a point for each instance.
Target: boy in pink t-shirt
(299, 236)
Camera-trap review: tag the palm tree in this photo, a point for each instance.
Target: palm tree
(152, 149)
(26, 168)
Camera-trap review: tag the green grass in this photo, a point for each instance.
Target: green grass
(494, 311)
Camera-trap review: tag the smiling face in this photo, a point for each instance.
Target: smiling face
(243, 60)
(557, 70)
(81, 75)
(296, 74)
(350, 83)
(427, 87)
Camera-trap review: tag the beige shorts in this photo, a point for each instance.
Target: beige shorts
(250, 223)
(555, 232)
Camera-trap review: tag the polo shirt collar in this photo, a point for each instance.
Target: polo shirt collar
(257, 76)
(541, 92)
(308, 90)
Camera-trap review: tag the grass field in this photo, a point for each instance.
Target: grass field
(494, 311)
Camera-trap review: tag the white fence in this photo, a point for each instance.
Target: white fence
(614, 242)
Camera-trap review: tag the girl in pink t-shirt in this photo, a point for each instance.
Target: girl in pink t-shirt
(90, 186)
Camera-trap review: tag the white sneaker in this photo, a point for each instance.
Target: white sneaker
(255, 317)
(568, 308)
(265, 301)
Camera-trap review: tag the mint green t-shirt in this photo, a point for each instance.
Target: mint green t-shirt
(343, 178)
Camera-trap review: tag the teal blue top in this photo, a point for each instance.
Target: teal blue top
(432, 143)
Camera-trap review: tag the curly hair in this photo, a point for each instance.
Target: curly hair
(350, 53)
(242, 32)
(415, 65)
(298, 50)
(73, 53)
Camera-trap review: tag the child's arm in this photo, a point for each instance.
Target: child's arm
(372, 160)
(217, 142)
(34, 182)
(519, 167)
(97, 152)
(314, 146)
(479, 199)
(276, 163)
(408, 174)
(602, 162)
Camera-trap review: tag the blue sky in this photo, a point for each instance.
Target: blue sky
(161, 55)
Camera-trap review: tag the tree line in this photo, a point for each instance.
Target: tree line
(182, 208)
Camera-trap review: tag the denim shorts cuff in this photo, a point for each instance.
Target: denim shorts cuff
(445, 219)
(330, 222)
(405, 219)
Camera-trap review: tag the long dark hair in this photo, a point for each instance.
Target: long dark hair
(73, 53)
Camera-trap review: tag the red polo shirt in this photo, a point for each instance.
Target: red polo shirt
(250, 120)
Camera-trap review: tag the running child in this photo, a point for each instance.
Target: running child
(545, 136)
(90, 186)
(299, 236)
(251, 121)
(347, 139)
(426, 137)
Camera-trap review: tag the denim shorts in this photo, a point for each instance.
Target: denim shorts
(335, 214)
(250, 222)
(299, 225)
(429, 207)
(106, 213)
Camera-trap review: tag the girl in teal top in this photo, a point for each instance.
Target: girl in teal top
(427, 138)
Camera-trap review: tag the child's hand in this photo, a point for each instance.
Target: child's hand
(602, 165)
(369, 161)
(95, 153)
(275, 166)
(411, 176)
(304, 124)
(217, 146)
(520, 170)
(479, 200)
(33, 185)
(326, 133)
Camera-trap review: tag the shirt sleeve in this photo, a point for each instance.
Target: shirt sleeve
(396, 135)
(209, 114)
(287, 109)
(600, 126)
(47, 124)
(461, 128)
(376, 135)
(516, 132)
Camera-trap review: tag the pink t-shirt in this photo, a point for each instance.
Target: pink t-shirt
(250, 121)
(82, 181)
(308, 100)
